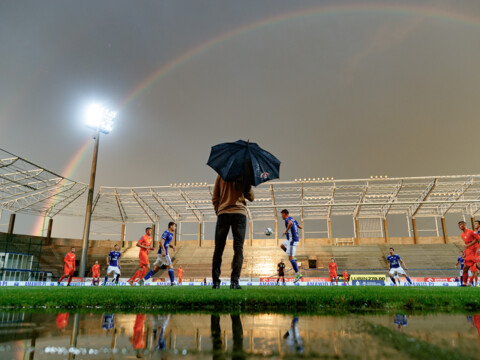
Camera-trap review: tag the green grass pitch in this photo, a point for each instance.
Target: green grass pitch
(301, 300)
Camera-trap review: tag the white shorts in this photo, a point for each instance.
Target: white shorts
(115, 269)
(162, 260)
(290, 249)
(399, 271)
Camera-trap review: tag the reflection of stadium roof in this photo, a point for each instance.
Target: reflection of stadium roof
(314, 199)
(31, 189)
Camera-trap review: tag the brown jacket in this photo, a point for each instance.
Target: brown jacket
(228, 197)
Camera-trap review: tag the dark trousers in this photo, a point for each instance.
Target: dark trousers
(238, 224)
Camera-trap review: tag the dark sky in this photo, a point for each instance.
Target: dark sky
(389, 87)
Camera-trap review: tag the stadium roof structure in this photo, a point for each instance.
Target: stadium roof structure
(311, 199)
(29, 188)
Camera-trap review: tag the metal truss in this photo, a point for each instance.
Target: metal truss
(309, 199)
(28, 188)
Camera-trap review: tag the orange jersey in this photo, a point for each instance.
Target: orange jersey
(332, 267)
(70, 259)
(96, 269)
(138, 340)
(180, 272)
(62, 320)
(345, 275)
(476, 322)
(468, 236)
(145, 240)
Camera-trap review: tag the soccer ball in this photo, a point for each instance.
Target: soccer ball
(268, 231)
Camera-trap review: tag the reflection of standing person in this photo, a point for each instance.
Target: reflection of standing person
(62, 321)
(281, 271)
(69, 268)
(400, 321)
(229, 201)
(216, 334)
(292, 338)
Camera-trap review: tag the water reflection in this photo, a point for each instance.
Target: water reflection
(219, 348)
(400, 321)
(293, 339)
(199, 336)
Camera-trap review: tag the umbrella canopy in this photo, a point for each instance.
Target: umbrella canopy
(246, 160)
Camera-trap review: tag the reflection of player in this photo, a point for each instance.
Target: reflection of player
(345, 277)
(180, 275)
(108, 322)
(394, 267)
(161, 321)
(290, 245)
(476, 322)
(113, 262)
(62, 321)
(281, 271)
(69, 268)
(138, 339)
(96, 273)
(163, 258)
(332, 268)
(292, 338)
(471, 239)
(400, 321)
(144, 244)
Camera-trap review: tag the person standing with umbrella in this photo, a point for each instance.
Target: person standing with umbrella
(239, 166)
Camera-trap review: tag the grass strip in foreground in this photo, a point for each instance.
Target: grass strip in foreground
(249, 299)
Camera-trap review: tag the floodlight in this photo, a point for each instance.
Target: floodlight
(100, 118)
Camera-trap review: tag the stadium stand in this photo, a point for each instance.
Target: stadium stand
(260, 260)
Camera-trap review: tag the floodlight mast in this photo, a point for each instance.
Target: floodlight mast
(101, 120)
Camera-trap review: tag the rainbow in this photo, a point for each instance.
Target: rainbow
(68, 173)
(341, 8)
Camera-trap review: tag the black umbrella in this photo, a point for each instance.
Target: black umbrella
(243, 159)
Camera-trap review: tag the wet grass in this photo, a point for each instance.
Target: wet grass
(308, 300)
(412, 347)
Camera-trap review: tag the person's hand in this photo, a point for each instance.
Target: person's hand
(151, 248)
(285, 233)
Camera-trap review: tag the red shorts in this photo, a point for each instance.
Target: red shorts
(144, 260)
(469, 261)
(95, 275)
(68, 271)
(333, 275)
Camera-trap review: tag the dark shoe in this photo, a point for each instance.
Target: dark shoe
(235, 285)
(216, 286)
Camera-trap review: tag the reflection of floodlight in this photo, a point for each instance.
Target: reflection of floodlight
(100, 118)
